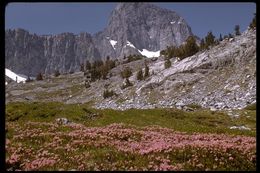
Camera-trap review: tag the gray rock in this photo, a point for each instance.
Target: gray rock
(30, 54)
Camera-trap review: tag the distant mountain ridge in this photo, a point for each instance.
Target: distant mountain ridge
(133, 28)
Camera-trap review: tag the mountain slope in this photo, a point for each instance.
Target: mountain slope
(223, 77)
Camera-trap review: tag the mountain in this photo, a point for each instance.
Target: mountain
(133, 28)
(30, 54)
(136, 28)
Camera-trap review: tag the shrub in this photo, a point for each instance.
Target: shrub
(39, 77)
(82, 67)
(167, 63)
(237, 30)
(126, 73)
(146, 71)
(127, 84)
(56, 73)
(139, 75)
(107, 93)
(253, 23)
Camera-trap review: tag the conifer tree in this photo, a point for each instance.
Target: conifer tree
(202, 44)
(39, 76)
(191, 47)
(167, 63)
(82, 67)
(220, 37)
(126, 73)
(253, 23)
(209, 39)
(146, 71)
(139, 75)
(88, 65)
(237, 30)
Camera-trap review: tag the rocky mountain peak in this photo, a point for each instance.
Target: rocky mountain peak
(143, 26)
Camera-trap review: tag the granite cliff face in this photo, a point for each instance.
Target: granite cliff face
(30, 54)
(133, 28)
(137, 26)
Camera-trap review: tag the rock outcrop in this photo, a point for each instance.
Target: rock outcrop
(139, 26)
(30, 54)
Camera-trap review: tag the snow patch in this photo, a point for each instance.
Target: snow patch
(172, 22)
(113, 43)
(14, 76)
(149, 54)
(128, 43)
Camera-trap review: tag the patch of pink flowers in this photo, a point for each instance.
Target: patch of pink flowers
(128, 139)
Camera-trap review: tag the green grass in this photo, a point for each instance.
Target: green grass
(251, 107)
(105, 157)
(200, 120)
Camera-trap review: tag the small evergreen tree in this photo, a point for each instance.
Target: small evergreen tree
(56, 73)
(146, 71)
(252, 25)
(94, 74)
(88, 65)
(107, 93)
(190, 47)
(209, 39)
(167, 63)
(220, 37)
(39, 76)
(82, 67)
(237, 30)
(139, 75)
(103, 71)
(202, 44)
(126, 73)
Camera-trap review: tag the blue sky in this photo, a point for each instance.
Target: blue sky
(55, 18)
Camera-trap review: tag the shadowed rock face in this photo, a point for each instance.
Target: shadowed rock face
(143, 25)
(30, 54)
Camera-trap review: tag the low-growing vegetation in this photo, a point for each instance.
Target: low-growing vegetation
(108, 93)
(131, 58)
(156, 139)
